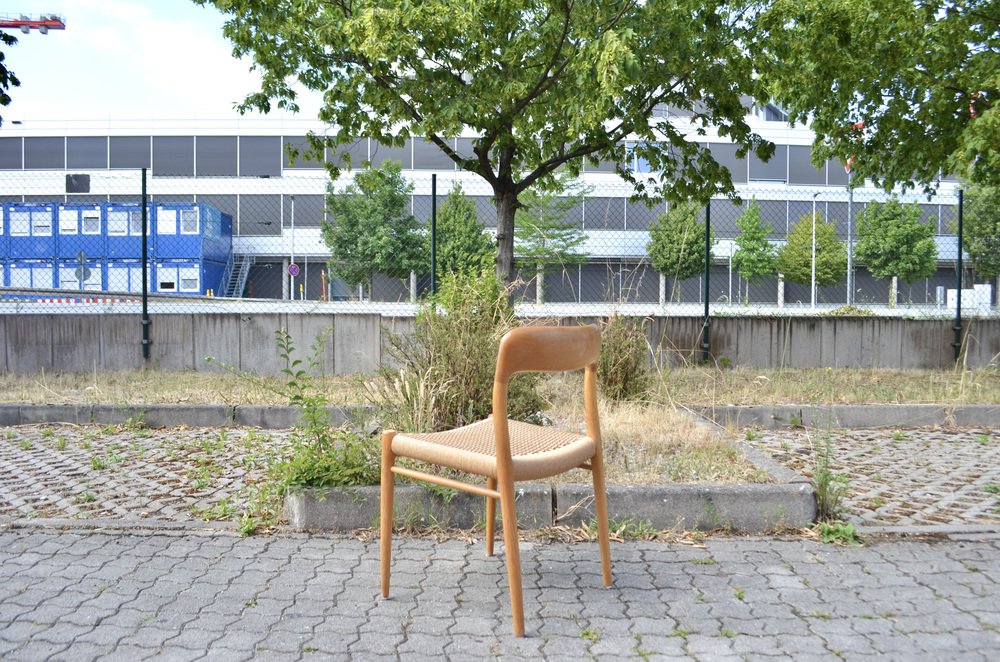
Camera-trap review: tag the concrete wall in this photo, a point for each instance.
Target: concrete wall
(357, 343)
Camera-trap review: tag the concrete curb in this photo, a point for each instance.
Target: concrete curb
(342, 509)
(851, 416)
(279, 417)
(787, 502)
(168, 415)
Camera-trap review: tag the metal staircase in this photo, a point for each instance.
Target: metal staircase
(236, 274)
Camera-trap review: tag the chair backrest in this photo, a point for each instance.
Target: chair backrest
(547, 349)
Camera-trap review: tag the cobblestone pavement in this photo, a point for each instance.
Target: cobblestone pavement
(134, 595)
(184, 594)
(908, 477)
(87, 472)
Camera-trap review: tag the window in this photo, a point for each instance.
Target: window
(91, 222)
(118, 279)
(87, 152)
(117, 222)
(67, 221)
(20, 223)
(30, 276)
(20, 277)
(135, 225)
(67, 278)
(10, 154)
(215, 156)
(166, 221)
(173, 156)
(189, 221)
(189, 279)
(260, 156)
(135, 275)
(129, 151)
(41, 223)
(44, 153)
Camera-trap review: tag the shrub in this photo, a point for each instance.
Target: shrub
(621, 370)
(445, 368)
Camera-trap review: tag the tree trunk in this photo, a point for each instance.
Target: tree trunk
(506, 201)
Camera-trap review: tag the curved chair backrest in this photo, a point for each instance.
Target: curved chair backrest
(547, 349)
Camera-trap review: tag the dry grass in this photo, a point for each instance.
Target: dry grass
(748, 386)
(648, 442)
(152, 387)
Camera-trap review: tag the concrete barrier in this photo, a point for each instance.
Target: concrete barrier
(356, 343)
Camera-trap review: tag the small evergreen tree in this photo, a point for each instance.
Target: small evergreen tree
(755, 255)
(462, 245)
(794, 259)
(372, 228)
(981, 231)
(677, 243)
(893, 243)
(543, 235)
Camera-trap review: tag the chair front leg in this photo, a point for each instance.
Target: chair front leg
(385, 509)
(508, 513)
(601, 505)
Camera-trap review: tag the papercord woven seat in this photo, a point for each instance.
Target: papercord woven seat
(504, 451)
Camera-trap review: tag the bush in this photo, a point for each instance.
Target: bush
(445, 373)
(621, 370)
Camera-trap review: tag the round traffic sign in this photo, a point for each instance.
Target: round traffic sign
(293, 270)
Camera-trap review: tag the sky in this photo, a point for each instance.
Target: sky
(126, 59)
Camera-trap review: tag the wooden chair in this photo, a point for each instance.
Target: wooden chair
(505, 451)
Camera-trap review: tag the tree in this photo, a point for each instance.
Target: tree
(542, 84)
(543, 236)
(755, 255)
(677, 243)
(921, 75)
(372, 228)
(7, 77)
(794, 260)
(462, 245)
(981, 231)
(893, 243)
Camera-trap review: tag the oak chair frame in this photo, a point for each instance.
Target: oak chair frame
(525, 349)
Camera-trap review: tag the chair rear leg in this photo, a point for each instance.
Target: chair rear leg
(491, 517)
(385, 509)
(508, 514)
(601, 504)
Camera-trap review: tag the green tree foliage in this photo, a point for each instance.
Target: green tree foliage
(921, 74)
(981, 229)
(893, 243)
(544, 237)
(7, 77)
(372, 228)
(677, 243)
(755, 255)
(462, 245)
(794, 260)
(542, 84)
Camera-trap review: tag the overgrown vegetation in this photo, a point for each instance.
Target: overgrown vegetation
(319, 455)
(445, 368)
(621, 372)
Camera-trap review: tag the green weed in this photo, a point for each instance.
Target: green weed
(837, 532)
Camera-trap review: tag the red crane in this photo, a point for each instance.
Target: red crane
(42, 23)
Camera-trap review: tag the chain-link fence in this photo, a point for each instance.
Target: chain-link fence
(257, 243)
